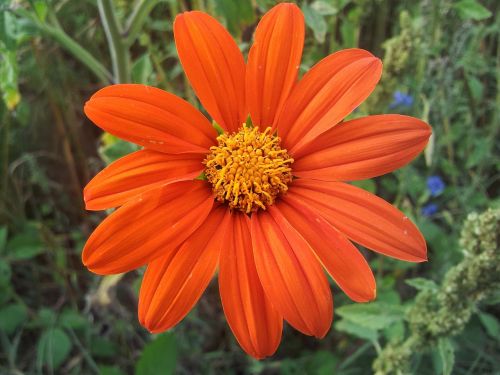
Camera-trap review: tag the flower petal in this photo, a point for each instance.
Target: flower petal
(254, 322)
(214, 65)
(142, 230)
(326, 94)
(339, 256)
(290, 274)
(273, 62)
(174, 282)
(363, 148)
(363, 217)
(136, 173)
(152, 118)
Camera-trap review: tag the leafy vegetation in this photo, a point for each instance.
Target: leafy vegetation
(441, 64)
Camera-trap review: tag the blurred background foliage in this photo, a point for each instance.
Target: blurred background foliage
(441, 63)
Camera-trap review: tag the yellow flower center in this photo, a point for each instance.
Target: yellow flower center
(248, 169)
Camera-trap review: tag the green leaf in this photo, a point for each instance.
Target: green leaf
(6, 292)
(395, 332)
(202, 176)
(368, 185)
(102, 348)
(26, 244)
(322, 362)
(493, 299)
(324, 8)
(290, 367)
(7, 30)
(315, 21)
(218, 128)
(236, 13)
(114, 148)
(110, 370)
(472, 10)
(480, 153)
(161, 353)
(3, 238)
(476, 87)
(447, 355)
(490, 324)
(53, 348)
(357, 330)
(72, 319)
(5, 273)
(372, 315)
(420, 283)
(41, 9)
(142, 69)
(45, 318)
(436, 236)
(8, 78)
(349, 29)
(342, 3)
(11, 317)
(388, 296)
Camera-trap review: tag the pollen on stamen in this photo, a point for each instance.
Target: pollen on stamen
(248, 170)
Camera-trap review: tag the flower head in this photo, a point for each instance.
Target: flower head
(248, 170)
(269, 210)
(436, 185)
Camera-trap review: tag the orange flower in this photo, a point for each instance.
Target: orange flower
(269, 212)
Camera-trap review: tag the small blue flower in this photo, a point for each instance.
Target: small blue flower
(400, 99)
(429, 209)
(435, 185)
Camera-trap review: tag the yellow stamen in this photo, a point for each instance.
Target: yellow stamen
(248, 170)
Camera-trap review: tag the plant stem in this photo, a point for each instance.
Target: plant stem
(117, 48)
(86, 355)
(380, 27)
(77, 51)
(199, 5)
(5, 157)
(136, 20)
(56, 32)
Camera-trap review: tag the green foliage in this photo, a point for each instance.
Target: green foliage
(438, 314)
(472, 10)
(55, 317)
(238, 14)
(359, 330)
(24, 245)
(315, 21)
(53, 348)
(9, 71)
(491, 324)
(446, 355)
(161, 353)
(374, 315)
(11, 317)
(421, 283)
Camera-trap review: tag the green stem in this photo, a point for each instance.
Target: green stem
(136, 20)
(75, 49)
(5, 157)
(7, 349)
(56, 32)
(333, 35)
(352, 358)
(86, 355)
(380, 27)
(199, 5)
(119, 52)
